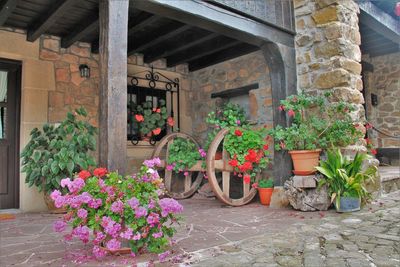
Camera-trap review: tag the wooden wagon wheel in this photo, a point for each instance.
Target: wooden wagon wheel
(222, 165)
(190, 182)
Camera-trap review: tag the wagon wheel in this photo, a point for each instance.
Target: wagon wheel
(213, 166)
(178, 185)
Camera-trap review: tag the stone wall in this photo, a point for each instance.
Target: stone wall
(384, 82)
(327, 50)
(235, 73)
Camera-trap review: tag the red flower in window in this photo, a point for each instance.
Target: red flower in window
(100, 172)
(233, 162)
(245, 166)
(246, 179)
(238, 133)
(139, 117)
(158, 110)
(291, 113)
(157, 131)
(84, 174)
(251, 156)
(170, 121)
(281, 108)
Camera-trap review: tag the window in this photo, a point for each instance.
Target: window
(138, 96)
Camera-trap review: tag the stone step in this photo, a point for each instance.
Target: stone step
(390, 178)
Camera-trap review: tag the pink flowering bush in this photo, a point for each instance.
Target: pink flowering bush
(118, 211)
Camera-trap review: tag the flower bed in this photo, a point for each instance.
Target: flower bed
(118, 209)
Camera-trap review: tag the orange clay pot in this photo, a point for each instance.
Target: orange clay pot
(305, 161)
(265, 195)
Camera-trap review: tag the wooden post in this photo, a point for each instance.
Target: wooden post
(113, 83)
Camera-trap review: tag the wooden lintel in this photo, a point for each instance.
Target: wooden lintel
(113, 80)
(85, 28)
(58, 9)
(244, 90)
(6, 9)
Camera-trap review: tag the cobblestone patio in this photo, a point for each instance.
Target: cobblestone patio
(216, 235)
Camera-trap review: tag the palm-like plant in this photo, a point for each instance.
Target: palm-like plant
(345, 177)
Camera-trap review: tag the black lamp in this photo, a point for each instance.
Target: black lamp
(84, 70)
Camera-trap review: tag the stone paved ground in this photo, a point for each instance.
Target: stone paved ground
(216, 235)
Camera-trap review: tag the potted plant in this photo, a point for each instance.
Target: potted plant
(345, 179)
(265, 189)
(125, 214)
(58, 152)
(316, 124)
(151, 120)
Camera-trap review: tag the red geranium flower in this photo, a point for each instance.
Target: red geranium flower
(374, 151)
(266, 147)
(368, 125)
(281, 108)
(254, 185)
(233, 162)
(139, 117)
(291, 113)
(245, 166)
(170, 121)
(84, 174)
(238, 133)
(251, 156)
(246, 179)
(158, 110)
(100, 172)
(157, 131)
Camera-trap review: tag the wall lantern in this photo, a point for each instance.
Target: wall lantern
(84, 70)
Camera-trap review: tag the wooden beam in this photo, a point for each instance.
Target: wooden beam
(142, 24)
(216, 19)
(85, 28)
(379, 21)
(145, 45)
(95, 46)
(113, 83)
(204, 49)
(222, 55)
(189, 44)
(6, 9)
(47, 20)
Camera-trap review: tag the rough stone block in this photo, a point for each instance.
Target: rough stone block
(279, 198)
(325, 15)
(304, 181)
(335, 78)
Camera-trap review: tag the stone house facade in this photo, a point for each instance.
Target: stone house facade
(328, 57)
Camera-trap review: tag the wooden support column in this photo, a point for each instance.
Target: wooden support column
(113, 83)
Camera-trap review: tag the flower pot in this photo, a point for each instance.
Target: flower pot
(348, 204)
(50, 205)
(305, 161)
(265, 195)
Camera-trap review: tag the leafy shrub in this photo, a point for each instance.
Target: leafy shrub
(265, 183)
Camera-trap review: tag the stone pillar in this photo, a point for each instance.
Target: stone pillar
(327, 50)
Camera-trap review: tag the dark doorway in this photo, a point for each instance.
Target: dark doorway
(10, 88)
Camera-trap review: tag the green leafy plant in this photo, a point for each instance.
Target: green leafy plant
(265, 183)
(316, 123)
(59, 152)
(345, 177)
(118, 210)
(152, 120)
(183, 154)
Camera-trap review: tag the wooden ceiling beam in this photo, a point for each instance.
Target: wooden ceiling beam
(45, 21)
(85, 28)
(220, 56)
(6, 9)
(137, 27)
(204, 49)
(159, 39)
(176, 49)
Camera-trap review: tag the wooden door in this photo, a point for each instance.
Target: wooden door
(10, 83)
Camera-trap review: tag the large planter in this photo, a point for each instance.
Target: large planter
(348, 204)
(50, 205)
(265, 195)
(305, 161)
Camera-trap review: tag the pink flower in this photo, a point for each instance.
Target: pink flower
(152, 204)
(291, 113)
(163, 256)
(281, 108)
(133, 202)
(76, 185)
(127, 234)
(117, 207)
(82, 232)
(203, 154)
(158, 235)
(140, 212)
(169, 205)
(95, 204)
(137, 237)
(59, 226)
(153, 219)
(186, 173)
(170, 167)
(82, 213)
(238, 122)
(99, 237)
(98, 252)
(68, 237)
(254, 185)
(65, 182)
(113, 244)
(60, 201)
(55, 194)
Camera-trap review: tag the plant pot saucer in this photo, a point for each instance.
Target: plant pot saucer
(303, 173)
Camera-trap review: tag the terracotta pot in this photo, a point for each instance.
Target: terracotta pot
(305, 161)
(218, 155)
(50, 205)
(265, 195)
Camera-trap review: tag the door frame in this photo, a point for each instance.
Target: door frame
(18, 67)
